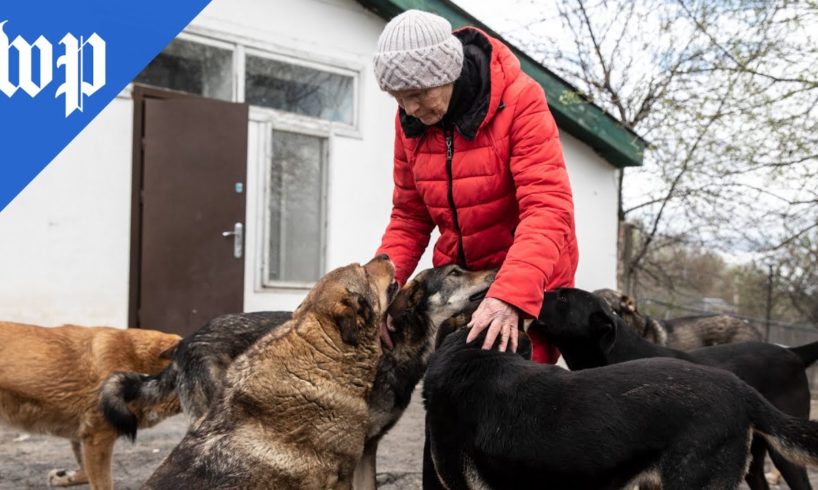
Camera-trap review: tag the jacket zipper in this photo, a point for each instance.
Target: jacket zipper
(461, 260)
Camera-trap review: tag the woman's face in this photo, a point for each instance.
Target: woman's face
(428, 105)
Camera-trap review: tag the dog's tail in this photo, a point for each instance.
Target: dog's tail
(807, 352)
(793, 437)
(126, 399)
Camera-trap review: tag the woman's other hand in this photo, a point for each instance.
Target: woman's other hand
(501, 320)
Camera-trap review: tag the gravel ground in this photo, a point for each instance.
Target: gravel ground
(25, 460)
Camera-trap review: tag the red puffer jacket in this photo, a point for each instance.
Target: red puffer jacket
(500, 195)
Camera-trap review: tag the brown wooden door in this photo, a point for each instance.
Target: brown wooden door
(194, 167)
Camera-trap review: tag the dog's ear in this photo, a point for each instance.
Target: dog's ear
(408, 298)
(627, 303)
(351, 314)
(604, 327)
(450, 325)
(524, 345)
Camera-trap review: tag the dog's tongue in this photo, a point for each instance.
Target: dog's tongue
(386, 338)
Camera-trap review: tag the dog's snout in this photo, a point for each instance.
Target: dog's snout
(478, 296)
(392, 290)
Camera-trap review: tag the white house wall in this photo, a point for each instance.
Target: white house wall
(64, 242)
(594, 183)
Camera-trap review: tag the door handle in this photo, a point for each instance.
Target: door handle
(238, 239)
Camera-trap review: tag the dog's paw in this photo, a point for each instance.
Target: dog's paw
(65, 478)
(773, 477)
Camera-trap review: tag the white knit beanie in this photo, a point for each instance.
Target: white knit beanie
(417, 50)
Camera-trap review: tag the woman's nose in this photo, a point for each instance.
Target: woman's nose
(411, 108)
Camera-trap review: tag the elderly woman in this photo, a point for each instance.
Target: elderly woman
(477, 154)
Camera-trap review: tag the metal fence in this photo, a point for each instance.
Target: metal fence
(792, 335)
(785, 334)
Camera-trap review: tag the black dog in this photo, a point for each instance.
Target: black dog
(196, 373)
(496, 420)
(589, 335)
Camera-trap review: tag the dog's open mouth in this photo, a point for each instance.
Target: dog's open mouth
(478, 296)
(392, 291)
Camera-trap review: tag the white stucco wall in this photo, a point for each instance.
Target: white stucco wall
(64, 241)
(593, 181)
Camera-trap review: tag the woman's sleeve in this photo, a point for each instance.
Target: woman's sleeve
(545, 202)
(410, 225)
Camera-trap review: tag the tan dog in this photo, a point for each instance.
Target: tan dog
(293, 413)
(49, 382)
(683, 333)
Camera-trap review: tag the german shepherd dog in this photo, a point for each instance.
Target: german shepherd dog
(292, 413)
(445, 295)
(496, 420)
(49, 384)
(683, 333)
(589, 335)
(199, 365)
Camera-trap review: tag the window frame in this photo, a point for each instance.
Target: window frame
(268, 122)
(339, 127)
(241, 46)
(215, 43)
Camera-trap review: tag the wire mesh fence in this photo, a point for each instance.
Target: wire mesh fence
(776, 332)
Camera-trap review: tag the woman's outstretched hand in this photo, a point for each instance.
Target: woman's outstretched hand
(501, 320)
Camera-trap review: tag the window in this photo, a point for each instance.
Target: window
(299, 89)
(295, 217)
(192, 67)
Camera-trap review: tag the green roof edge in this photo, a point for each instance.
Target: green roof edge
(582, 119)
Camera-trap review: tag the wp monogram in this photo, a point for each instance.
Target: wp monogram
(74, 87)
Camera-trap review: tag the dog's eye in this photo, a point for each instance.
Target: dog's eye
(455, 272)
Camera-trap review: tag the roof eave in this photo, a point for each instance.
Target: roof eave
(580, 118)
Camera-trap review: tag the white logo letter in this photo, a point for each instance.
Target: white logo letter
(5, 84)
(24, 64)
(75, 86)
(24, 49)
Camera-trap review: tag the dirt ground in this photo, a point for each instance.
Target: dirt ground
(25, 460)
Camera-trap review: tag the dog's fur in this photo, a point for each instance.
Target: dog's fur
(50, 380)
(683, 333)
(496, 420)
(197, 371)
(445, 295)
(195, 375)
(293, 411)
(589, 335)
